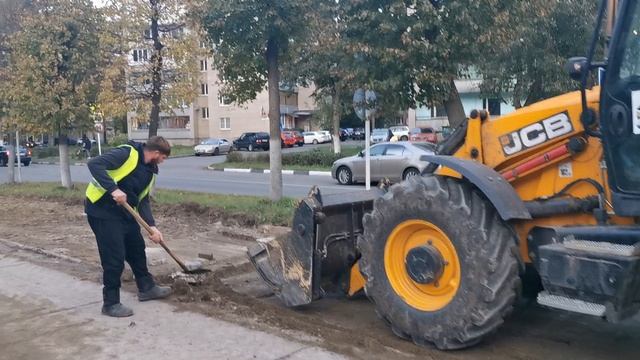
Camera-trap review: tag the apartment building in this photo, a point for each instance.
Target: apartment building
(212, 115)
(472, 99)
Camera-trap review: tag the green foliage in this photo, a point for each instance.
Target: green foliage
(45, 152)
(323, 158)
(314, 157)
(531, 42)
(128, 86)
(239, 31)
(54, 69)
(119, 140)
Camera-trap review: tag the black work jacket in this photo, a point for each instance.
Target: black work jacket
(132, 184)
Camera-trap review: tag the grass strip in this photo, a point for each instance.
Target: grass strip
(249, 210)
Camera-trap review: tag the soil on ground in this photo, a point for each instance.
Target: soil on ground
(233, 291)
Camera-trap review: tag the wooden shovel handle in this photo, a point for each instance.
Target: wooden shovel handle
(146, 226)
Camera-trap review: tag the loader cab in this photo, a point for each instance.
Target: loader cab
(620, 110)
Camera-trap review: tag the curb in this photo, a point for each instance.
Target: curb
(267, 171)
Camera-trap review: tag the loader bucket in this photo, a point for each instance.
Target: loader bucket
(313, 260)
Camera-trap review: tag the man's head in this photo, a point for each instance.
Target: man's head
(156, 150)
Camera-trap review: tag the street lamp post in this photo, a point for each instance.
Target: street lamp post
(364, 106)
(99, 128)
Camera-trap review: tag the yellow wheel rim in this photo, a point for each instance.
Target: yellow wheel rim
(426, 297)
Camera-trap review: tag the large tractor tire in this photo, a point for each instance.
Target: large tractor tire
(441, 265)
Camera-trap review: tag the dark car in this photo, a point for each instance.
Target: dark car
(25, 156)
(252, 141)
(344, 134)
(358, 134)
(70, 141)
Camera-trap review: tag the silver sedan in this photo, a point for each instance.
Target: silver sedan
(390, 160)
(212, 147)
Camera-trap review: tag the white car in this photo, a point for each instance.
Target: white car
(380, 135)
(400, 132)
(212, 147)
(327, 135)
(314, 137)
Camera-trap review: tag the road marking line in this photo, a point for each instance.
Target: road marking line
(237, 170)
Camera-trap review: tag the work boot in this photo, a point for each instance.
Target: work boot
(156, 292)
(116, 310)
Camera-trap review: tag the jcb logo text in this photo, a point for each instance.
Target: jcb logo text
(536, 134)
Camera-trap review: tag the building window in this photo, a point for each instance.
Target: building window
(439, 111)
(204, 89)
(224, 100)
(225, 123)
(140, 55)
(493, 105)
(205, 112)
(203, 65)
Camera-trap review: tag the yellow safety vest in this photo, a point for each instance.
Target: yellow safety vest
(95, 191)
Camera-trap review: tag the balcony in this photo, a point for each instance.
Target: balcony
(288, 109)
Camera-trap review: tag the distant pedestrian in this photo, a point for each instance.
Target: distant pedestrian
(85, 148)
(124, 174)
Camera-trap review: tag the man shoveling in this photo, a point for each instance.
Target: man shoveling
(122, 175)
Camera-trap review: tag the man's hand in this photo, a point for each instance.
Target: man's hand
(156, 235)
(119, 196)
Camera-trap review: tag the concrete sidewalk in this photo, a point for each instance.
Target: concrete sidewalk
(47, 314)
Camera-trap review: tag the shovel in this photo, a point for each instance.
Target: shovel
(190, 267)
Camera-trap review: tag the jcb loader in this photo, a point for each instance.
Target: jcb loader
(552, 189)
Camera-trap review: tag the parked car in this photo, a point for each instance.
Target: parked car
(299, 138)
(327, 135)
(400, 132)
(252, 141)
(70, 141)
(394, 161)
(25, 156)
(212, 147)
(423, 135)
(315, 137)
(344, 134)
(381, 135)
(358, 134)
(287, 139)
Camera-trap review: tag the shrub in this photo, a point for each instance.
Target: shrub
(315, 157)
(118, 140)
(45, 152)
(236, 156)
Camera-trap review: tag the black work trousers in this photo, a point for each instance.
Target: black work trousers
(120, 240)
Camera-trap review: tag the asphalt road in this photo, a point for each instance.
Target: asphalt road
(191, 174)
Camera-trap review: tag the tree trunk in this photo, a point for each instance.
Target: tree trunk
(275, 152)
(336, 114)
(11, 159)
(65, 169)
(156, 71)
(453, 107)
(535, 93)
(517, 104)
(517, 95)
